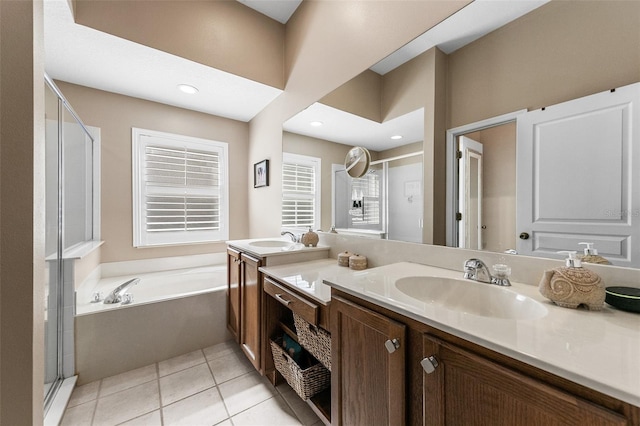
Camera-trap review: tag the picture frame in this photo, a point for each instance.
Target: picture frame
(261, 174)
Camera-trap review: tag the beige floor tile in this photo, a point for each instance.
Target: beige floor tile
(300, 407)
(84, 393)
(79, 415)
(126, 380)
(181, 362)
(225, 423)
(150, 419)
(127, 404)
(204, 408)
(245, 391)
(185, 383)
(221, 349)
(230, 366)
(273, 411)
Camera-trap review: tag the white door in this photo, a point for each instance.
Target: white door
(470, 194)
(578, 177)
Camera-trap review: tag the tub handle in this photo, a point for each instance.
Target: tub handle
(282, 300)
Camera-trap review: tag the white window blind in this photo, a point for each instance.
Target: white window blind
(179, 189)
(367, 189)
(300, 191)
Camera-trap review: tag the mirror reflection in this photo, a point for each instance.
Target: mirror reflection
(472, 202)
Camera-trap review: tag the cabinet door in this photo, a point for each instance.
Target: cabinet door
(233, 293)
(367, 366)
(467, 389)
(251, 298)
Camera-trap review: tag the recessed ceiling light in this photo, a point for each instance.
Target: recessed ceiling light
(396, 137)
(187, 88)
(316, 123)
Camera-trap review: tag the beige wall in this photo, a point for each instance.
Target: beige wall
(560, 51)
(330, 153)
(360, 96)
(115, 115)
(225, 35)
(22, 224)
(326, 44)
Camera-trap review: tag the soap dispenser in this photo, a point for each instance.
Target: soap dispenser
(310, 238)
(591, 255)
(572, 285)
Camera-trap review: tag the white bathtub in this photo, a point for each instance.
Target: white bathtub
(173, 312)
(154, 287)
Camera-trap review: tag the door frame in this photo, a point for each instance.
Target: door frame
(451, 165)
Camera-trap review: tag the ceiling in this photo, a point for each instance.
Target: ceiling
(91, 58)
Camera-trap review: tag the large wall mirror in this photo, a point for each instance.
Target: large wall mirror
(469, 78)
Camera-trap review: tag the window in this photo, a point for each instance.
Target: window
(180, 191)
(300, 191)
(366, 193)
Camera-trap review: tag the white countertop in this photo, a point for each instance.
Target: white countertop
(249, 246)
(597, 349)
(308, 276)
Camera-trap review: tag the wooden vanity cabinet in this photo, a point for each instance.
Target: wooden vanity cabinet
(280, 302)
(448, 380)
(251, 309)
(462, 388)
(233, 293)
(367, 367)
(244, 303)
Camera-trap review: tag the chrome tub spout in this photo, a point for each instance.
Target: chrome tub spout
(116, 295)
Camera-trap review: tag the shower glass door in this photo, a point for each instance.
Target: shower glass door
(53, 247)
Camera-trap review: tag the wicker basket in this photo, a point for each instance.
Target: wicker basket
(308, 379)
(314, 339)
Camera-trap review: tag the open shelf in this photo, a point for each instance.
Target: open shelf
(321, 405)
(289, 329)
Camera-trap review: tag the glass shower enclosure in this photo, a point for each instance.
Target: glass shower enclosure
(69, 211)
(385, 203)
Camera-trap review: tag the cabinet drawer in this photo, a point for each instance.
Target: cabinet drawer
(299, 305)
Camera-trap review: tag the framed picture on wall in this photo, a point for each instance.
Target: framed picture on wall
(261, 174)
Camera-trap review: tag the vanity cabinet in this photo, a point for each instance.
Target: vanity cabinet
(448, 380)
(244, 301)
(368, 366)
(463, 388)
(250, 308)
(233, 293)
(279, 304)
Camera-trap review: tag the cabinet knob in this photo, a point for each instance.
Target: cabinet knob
(392, 345)
(524, 236)
(429, 364)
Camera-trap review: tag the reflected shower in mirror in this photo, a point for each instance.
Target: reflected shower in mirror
(364, 204)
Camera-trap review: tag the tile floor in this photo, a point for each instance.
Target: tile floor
(213, 386)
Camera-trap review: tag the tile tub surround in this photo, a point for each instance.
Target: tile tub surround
(213, 386)
(599, 350)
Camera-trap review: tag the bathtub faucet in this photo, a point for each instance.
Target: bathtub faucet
(116, 295)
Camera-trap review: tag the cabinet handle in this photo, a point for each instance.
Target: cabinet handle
(282, 300)
(429, 364)
(392, 345)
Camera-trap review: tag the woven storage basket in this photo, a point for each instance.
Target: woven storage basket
(314, 339)
(305, 381)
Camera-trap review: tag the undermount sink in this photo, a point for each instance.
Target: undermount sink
(470, 297)
(272, 243)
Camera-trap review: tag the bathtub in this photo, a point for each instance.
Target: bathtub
(172, 313)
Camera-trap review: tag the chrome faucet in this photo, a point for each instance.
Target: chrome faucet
(116, 295)
(475, 269)
(292, 235)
